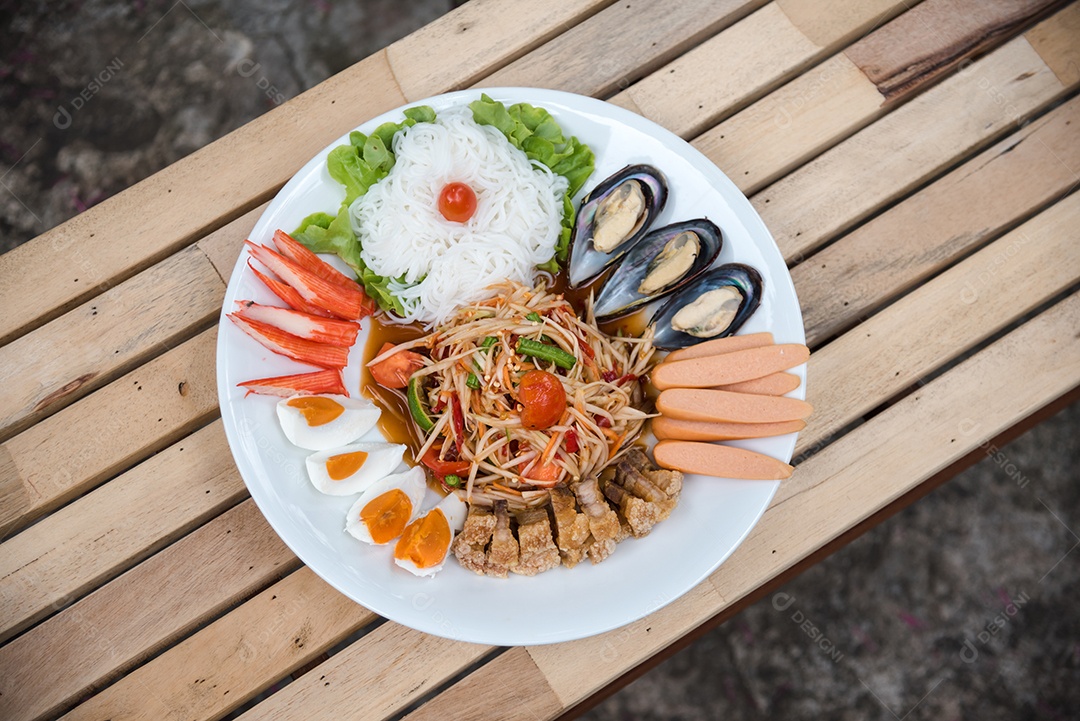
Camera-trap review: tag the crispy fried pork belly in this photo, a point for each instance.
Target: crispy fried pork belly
(503, 554)
(636, 514)
(470, 543)
(670, 482)
(571, 527)
(643, 482)
(603, 521)
(538, 552)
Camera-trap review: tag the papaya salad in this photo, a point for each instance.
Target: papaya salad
(520, 413)
(517, 394)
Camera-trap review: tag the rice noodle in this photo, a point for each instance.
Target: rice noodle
(439, 265)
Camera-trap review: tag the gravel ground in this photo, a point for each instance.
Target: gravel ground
(962, 606)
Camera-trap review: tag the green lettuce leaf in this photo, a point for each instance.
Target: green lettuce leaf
(536, 133)
(366, 160)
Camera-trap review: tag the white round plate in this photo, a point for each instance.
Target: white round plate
(714, 515)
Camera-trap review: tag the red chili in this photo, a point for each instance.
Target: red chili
(458, 421)
(571, 441)
(610, 376)
(586, 349)
(602, 421)
(628, 377)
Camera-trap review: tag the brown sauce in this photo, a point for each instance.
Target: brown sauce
(395, 422)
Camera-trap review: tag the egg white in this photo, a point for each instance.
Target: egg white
(455, 511)
(381, 461)
(413, 483)
(359, 417)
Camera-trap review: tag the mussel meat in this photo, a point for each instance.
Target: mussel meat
(714, 306)
(614, 216)
(663, 261)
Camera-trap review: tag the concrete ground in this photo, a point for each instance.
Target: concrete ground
(962, 606)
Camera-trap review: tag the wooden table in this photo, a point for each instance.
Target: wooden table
(913, 160)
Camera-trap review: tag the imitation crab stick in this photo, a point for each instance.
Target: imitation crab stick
(722, 345)
(734, 367)
(670, 428)
(299, 254)
(327, 381)
(288, 294)
(345, 303)
(302, 325)
(710, 459)
(286, 344)
(697, 404)
(774, 384)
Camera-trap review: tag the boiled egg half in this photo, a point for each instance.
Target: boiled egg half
(424, 543)
(353, 468)
(387, 506)
(319, 423)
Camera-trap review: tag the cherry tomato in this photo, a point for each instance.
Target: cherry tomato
(457, 202)
(443, 468)
(394, 372)
(543, 398)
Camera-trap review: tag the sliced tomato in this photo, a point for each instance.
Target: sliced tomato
(395, 371)
(545, 475)
(442, 468)
(542, 398)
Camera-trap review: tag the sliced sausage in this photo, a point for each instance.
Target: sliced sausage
(699, 404)
(734, 367)
(712, 459)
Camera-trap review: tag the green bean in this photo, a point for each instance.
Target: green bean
(545, 352)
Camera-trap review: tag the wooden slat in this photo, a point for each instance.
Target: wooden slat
(1056, 43)
(979, 296)
(845, 483)
(971, 26)
(48, 369)
(122, 623)
(895, 154)
(526, 695)
(71, 551)
(789, 126)
(620, 44)
(751, 57)
(110, 242)
(227, 663)
(835, 99)
(940, 223)
(149, 313)
(139, 413)
(476, 37)
(377, 676)
(223, 246)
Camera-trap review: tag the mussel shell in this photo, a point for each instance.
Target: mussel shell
(586, 263)
(619, 294)
(743, 277)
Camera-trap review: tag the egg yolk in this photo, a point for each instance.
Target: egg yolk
(342, 466)
(386, 515)
(317, 411)
(425, 540)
